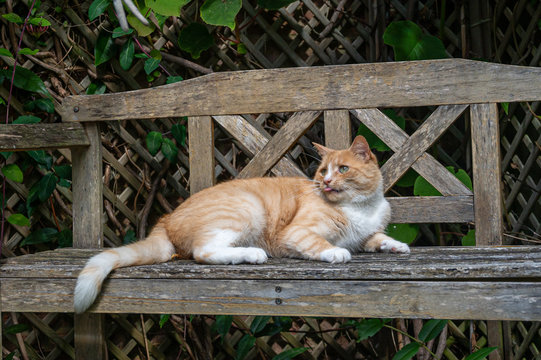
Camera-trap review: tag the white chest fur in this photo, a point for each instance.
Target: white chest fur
(363, 220)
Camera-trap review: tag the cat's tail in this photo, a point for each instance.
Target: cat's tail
(156, 248)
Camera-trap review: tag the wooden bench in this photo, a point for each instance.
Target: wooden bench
(499, 283)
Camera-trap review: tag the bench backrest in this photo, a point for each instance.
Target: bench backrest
(337, 92)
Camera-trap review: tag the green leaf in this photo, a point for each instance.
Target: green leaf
(194, 39)
(47, 184)
(118, 32)
(270, 329)
(129, 237)
(179, 133)
(259, 324)
(163, 319)
(408, 179)
(241, 49)
(127, 54)
(10, 356)
(14, 18)
(481, 354)
(220, 12)
(13, 173)
(407, 352)
(6, 154)
(151, 65)
(18, 219)
(41, 157)
(368, 328)
(40, 236)
(43, 104)
(27, 119)
(169, 150)
(245, 344)
(97, 8)
(409, 42)
(431, 329)
(64, 238)
(166, 7)
(424, 188)
(39, 21)
(5, 52)
(223, 324)
(18, 328)
(25, 79)
(63, 171)
(174, 79)
(289, 354)
(406, 233)
(64, 183)
(505, 107)
(142, 29)
(469, 238)
(154, 142)
(27, 51)
(105, 48)
(462, 176)
(273, 4)
(96, 88)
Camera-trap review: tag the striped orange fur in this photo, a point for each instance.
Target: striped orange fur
(342, 210)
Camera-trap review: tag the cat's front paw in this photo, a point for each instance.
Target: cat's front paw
(394, 246)
(336, 255)
(255, 255)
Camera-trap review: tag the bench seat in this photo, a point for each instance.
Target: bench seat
(431, 282)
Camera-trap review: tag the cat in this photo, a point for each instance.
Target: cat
(342, 210)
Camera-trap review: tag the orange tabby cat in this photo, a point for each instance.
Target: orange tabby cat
(244, 221)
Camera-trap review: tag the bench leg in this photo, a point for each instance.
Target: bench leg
(87, 233)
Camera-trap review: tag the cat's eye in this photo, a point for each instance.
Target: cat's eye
(323, 172)
(343, 169)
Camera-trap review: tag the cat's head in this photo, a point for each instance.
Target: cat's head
(346, 175)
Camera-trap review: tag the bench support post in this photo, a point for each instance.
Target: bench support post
(88, 233)
(201, 142)
(337, 129)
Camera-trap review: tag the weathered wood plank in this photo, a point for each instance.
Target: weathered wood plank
(429, 131)
(88, 233)
(411, 83)
(280, 143)
(41, 136)
(486, 174)
(432, 209)
(201, 143)
(253, 142)
(413, 299)
(337, 129)
(424, 263)
(426, 165)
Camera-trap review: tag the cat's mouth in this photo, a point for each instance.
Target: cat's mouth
(331, 190)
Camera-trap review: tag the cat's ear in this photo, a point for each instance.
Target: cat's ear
(361, 148)
(322, 150)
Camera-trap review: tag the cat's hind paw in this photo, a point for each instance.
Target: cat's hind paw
(394, 246)
(336, 255)
(253, 255)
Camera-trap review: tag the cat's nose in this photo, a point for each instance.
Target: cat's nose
(327, 181)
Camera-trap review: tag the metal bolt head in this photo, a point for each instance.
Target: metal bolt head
(278, 289)
(75, 109)
(278, 301)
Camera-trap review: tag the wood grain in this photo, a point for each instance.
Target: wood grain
(426, 165)
(280, 143)
(201, 144)
(41, 136)
(88, 233)
(432, 209)
(337, 129)
(396, 84)
(253, 141)
(486, 174)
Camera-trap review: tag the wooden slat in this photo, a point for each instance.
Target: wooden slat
(253, 142)
(411, 299)
(396, 84)
(486, 174)
(432, 209)
(88, 233)
(201, 143)
(429, 131)
(337, 129)
(514, 263)
(426, 165)
(21, 137)
(280, 143)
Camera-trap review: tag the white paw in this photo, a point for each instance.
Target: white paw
(336, 255)
(253, 255)
(394, 246)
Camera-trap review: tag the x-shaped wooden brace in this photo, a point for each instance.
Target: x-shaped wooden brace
(410, 151)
